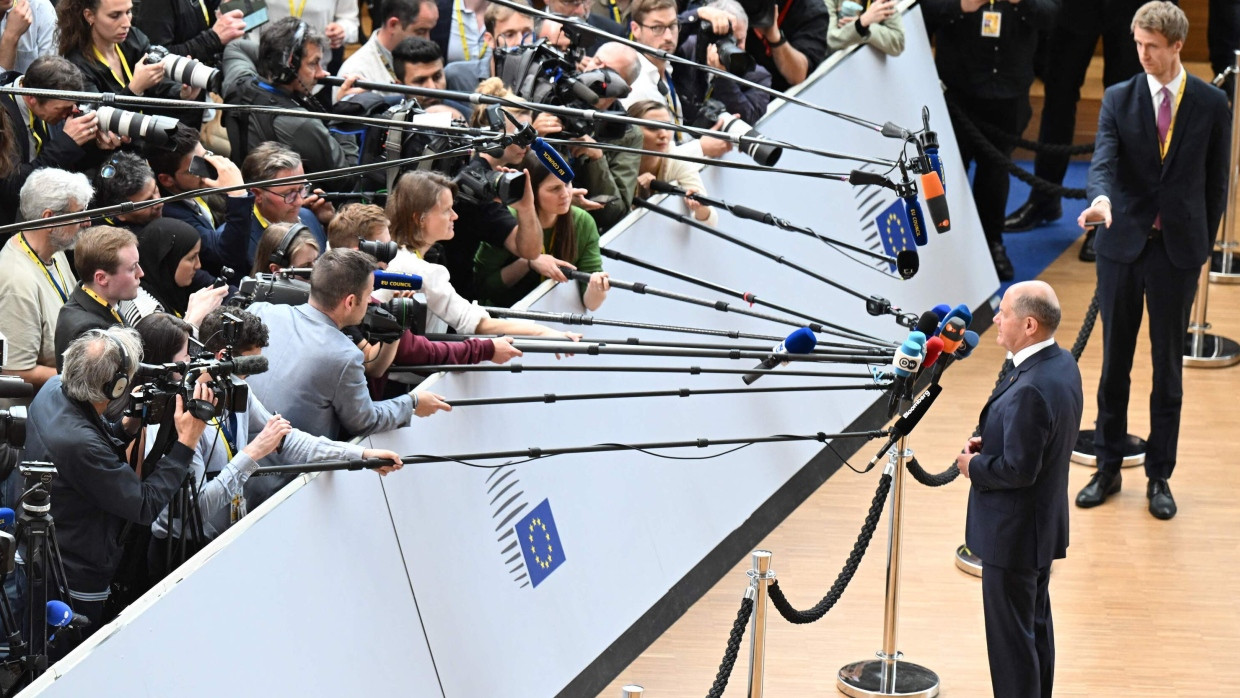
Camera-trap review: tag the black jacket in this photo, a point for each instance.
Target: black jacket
(984, 67)
(804, 24)
(99, 78)
(80, 314)
(179, 26)
(59, 151)
(95, 491)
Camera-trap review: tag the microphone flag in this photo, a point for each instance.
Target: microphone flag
(895, 231)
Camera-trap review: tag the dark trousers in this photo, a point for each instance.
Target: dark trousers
(991, 181)
(1020, 637)
(1070, 47)
(1123, 291)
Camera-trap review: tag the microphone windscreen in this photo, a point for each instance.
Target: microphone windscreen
(864, 178)
(250, 365)
(7, 517)
(951, 345)
(58, 613)
(934, 347)
(665, 187)
(907, 359)
(802, 341)
(942, 309)
(907, 263)
(552, 160)
(927, 323)
(931, 185)
(953, 330)
(917, 338)
(970, 343)
(961, 311)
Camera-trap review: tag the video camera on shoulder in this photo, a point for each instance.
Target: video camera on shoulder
(542, 74)
(396, 142)
(161, 383)
(384, 322)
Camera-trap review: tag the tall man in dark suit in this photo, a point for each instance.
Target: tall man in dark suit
(1159, 185)
(1018, 506)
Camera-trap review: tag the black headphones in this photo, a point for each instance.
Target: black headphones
(116, 386)
(290, 60)
(282, 255)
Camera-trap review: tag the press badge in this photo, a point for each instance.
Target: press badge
(991, 21)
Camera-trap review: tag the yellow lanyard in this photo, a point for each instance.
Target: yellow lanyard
(60, 290)
(615, 10)
(206, 210)
(205, 15)
(261, 221)
(104, 303)
(296, 12)
(219, 429)
(38, 141)
(1179, 95)
(124, 65)
(460, 25)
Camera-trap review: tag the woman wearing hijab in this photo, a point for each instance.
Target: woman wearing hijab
(168, 252)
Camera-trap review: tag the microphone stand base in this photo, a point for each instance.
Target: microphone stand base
(967, 562)
(1083, 452)
(1205, 350)
(887, 676)
(1225, 270)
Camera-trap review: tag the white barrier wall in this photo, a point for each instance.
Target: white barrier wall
(531, 578)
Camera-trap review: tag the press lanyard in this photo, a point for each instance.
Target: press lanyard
(64, 297)
(261, 221)
(124, 65)
(38, 141)
(460, 25)
(672, 102)
(1179, 95)
(205, 15)
(104, 303)
(227, 436)
(296, 12)
(206, 210)
(615, 10)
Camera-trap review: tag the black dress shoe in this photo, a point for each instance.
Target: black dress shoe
(1003, 265)
(1087, 253)
(1032, 215)
(1101, 486)
(1162, 504)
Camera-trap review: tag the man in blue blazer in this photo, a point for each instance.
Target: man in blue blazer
(1018, 505)
(1158, 181)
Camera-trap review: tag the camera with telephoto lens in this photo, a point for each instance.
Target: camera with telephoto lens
(163, 382)
(185, 70)
(382, 251)
(732, 57)
(150, 129)
(765, 154)
(542, 74)
(478, 183)
(399, 142)
(383, 322)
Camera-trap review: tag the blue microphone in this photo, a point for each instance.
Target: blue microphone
(916, 219)
(801, 341)
(970, 343)
(942, 309)
(397, 282)
(918, 338)
(7, 517)
(552, 160)
(961, 311)
(58, 613)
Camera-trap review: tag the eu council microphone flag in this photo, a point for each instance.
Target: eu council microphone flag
(895, 231)
(540, 542)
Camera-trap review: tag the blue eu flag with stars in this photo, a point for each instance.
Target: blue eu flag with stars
(540, 542)
(895, 231)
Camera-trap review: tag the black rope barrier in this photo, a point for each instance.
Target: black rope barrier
(1053, 148)
(987, 150)
(1087, 328)
(845, 576)
(734, 647)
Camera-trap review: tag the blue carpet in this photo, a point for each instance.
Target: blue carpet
(1034, 251)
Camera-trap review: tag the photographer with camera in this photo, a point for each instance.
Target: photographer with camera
(232, 446)
(49, 132)
(282, 71)
(665, 169)
(716, 37)
(184, 165)
(98, 36)
(317, 379)
(505, 28)
(37, 278)
(791, 55)
(188, 28)
(74, 425)
(286, 203)
(106, 259)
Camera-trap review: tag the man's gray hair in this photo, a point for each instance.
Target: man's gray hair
(267, 159)
(632, 66)
(92, 359)
(733, 8)
(50, 189)
(1040, 308)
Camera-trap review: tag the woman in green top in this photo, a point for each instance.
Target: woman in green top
(569, 234)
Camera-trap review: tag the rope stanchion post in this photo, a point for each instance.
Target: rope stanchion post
(760, 577)
(1202, 349)
(1224, 263)
(631, 691)
(889, 675)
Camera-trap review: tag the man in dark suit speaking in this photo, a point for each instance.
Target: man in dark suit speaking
(1158, 181)
(1018, 506)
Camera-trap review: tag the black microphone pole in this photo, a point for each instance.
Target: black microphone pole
(580, 319)
(713, 162)
(579, 348)
(637, 341)
(535, 452)
(874, 305)
(678, 392)
(690, 370)
(815, 324)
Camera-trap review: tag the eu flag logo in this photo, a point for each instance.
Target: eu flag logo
(540, 542)
(895, 231)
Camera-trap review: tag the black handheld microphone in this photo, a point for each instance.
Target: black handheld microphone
(908, 421)
(907, 263)
(801, 341)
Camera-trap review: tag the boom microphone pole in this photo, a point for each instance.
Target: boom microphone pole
(690, 370)
(535, 452)
(587, 348)
(637, 341)
(678, 392)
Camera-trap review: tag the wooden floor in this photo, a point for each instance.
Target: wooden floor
(1142, 607)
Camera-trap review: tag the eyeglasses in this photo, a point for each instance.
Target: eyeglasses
(108, 170)
(571, 3)
(661, 29)
(292, 196)
(514, 38)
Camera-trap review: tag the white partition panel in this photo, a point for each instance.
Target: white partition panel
(531, 579)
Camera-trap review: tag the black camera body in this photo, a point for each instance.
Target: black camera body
(734, 59)
(542, 74)
(761, 12)
(476, 184)
(185, 70)
(383, 323)
(156, 396)
(399, 142)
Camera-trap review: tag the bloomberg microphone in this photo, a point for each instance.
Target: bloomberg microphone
(801, 341)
